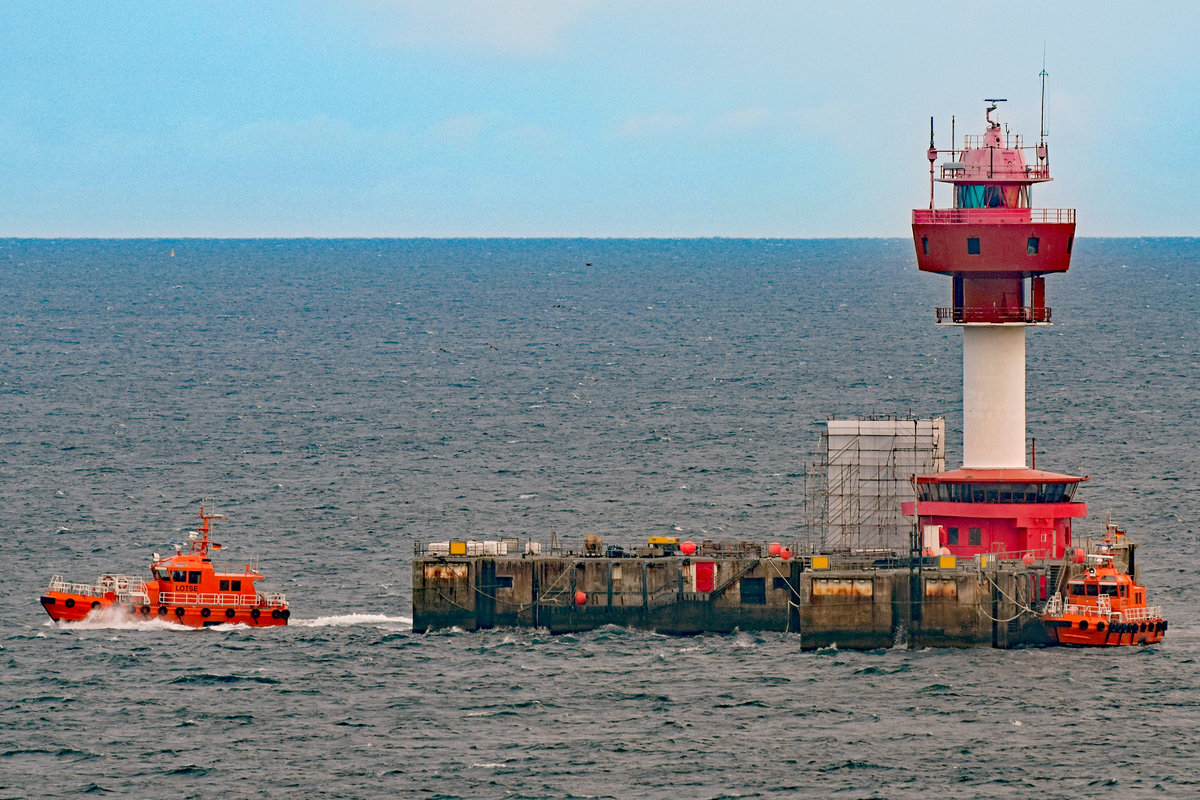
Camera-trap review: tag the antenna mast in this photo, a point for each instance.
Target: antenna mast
(1043, 73)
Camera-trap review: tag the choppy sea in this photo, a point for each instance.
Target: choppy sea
(342, 400)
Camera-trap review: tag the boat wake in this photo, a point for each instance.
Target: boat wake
(117, 618)
(352, 619)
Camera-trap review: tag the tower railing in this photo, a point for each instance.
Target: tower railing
(961, 216)
(1028, 314)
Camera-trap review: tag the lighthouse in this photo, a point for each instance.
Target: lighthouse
(997, 250)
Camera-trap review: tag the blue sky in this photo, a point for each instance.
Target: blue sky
(575, 118)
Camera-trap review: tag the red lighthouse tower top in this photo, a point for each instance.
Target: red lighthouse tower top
(993, 236)
(997, 248)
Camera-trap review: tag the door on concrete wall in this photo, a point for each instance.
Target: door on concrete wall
(706, 572)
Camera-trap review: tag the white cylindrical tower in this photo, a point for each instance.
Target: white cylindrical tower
(994, 396)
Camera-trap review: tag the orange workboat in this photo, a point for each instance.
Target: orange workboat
(187, 588)
(1103, 608)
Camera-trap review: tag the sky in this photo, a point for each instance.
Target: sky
(448, 118)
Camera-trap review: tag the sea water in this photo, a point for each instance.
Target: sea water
(343, 400)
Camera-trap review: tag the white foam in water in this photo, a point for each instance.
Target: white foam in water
(117, 618)
(352, 619)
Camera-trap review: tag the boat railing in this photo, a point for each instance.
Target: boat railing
(1055, 606)
(57, 584)
(126, 589)
(235, 568)
(980, 216)
(208, 599)
(1140, 613)
(270, 599)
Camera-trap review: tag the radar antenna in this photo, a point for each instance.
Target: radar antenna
(991, 101)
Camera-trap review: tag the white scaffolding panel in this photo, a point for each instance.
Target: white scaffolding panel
(864, 474)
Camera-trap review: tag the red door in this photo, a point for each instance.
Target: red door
(706, 571)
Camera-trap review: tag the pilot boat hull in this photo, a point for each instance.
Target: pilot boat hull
(1080, 631)
(75, 607)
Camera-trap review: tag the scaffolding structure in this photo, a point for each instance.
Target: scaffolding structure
(861, 475)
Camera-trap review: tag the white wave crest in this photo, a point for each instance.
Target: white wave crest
(352, 619)
(117, 618)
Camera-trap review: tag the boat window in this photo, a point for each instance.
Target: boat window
(161, 575)
(1108, 589)
(1124, 591)
(1093, 590)
(179, 576)
(194, 576)
(973, 245)
(236, 586)
(1006, 493)
(1076, 588)
(224, 585)
(974, 536)
(1031, 246)
(951, 535)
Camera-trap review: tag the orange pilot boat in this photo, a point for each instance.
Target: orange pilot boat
(187, 588)
(1103, 608)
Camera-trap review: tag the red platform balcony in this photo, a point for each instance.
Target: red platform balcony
(991, 216)
(1031, 315)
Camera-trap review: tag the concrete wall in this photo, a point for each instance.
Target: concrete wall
(863, 608)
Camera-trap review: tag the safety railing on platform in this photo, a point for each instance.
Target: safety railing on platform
(959, 314)
(984, 216)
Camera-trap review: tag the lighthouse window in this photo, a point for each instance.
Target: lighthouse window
(1032, 247)
(974, 536)
(976, 195)
(973, 245)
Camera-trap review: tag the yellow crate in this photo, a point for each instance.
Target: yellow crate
(947, 562)
(820, 562)
(664, 540)
(458, 548)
